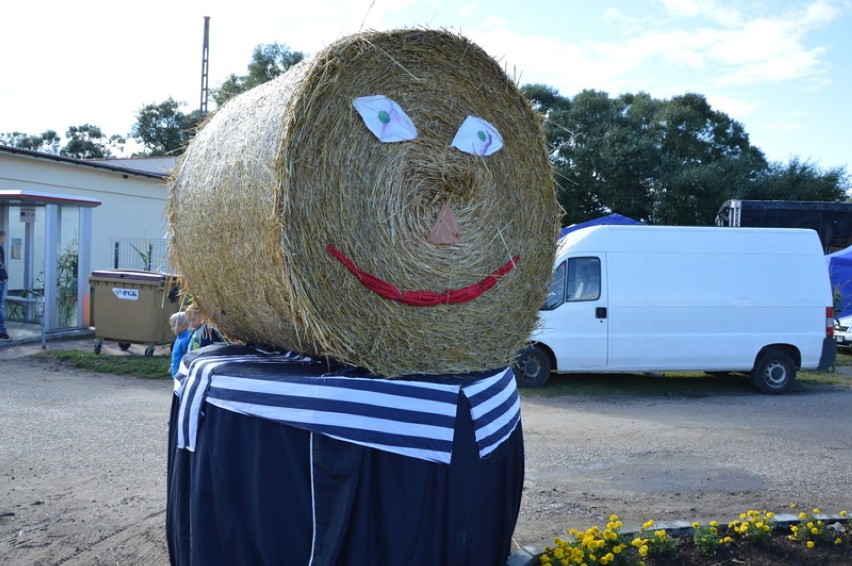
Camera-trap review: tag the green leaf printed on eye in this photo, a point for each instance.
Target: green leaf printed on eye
(481, 135)
(384, 117)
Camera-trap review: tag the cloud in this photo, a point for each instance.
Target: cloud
(737, 108)
(707, 9)
(719, 46)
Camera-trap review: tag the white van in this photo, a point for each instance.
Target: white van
(672, 298)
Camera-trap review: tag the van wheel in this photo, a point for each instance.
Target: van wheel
(531, 367)
(774, 372)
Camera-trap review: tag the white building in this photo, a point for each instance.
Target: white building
(47, 198)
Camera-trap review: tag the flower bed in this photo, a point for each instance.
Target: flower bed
(758, 538)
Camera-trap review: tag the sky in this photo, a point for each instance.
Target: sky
(782, 68)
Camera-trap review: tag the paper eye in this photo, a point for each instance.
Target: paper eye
(385, 118)
(477, 137)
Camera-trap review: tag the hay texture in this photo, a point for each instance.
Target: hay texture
(283, 174)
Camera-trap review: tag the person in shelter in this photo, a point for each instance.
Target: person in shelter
(4, 278)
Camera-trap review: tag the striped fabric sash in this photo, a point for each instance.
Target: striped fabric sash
(413, 417)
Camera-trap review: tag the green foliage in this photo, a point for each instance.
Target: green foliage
(709, 544)
(67, 285)
(89, 142)
(682, 384)
(799, 180)
(268, 61)
(813, 530)
(163, 129)
(654, 543)
(662, 161)
(754, 526)
(83, 142)
(46, 142)
(706, 537)
(139, 366)
(592, 546)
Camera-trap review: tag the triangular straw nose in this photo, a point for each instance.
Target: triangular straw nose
(446, 229)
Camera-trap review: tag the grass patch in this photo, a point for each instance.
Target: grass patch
(153, 367)
(688, 384)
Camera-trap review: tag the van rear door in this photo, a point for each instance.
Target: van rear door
(574, 321)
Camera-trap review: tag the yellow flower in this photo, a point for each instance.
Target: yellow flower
(816, 510)
(838, 541)
(802, 515)
(810, 544)
(696, 525)
(770, 515)
(643, 551)
(613, 517)
(793, 506)
(814, 531)
(794, 528)
(843, 513)
(714, 524)
(648, 524)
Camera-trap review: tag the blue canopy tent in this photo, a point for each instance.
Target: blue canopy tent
(613, 218)
(840, 273)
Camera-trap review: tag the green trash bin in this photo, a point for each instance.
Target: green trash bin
(133, 307)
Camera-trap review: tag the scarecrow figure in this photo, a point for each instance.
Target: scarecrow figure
(390, 227)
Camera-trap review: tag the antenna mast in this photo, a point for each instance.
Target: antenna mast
(205, 61)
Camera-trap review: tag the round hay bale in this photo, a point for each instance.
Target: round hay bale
(286, 208)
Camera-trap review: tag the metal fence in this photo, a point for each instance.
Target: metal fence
(140, 253)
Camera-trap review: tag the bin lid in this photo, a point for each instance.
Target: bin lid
(129, 274)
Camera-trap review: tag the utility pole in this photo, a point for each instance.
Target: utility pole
(205, 62)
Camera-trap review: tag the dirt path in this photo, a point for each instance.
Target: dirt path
(83, 461)
(82, 466)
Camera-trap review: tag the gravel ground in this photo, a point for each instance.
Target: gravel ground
(82, 461)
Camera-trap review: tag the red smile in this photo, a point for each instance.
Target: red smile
(423, 298)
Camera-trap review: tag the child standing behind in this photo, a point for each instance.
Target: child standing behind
(180, 326)
(201, 333)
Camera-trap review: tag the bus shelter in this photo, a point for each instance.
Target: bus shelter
(48, 256)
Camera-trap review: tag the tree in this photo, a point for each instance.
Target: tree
(46, 142)
(798, 180)
(163, 129)
(89, 142)
(661, 161)
(268, 61)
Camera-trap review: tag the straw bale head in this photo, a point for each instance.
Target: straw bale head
(388, 202)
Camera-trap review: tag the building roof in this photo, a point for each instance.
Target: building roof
(161, 165)
(108, 165)
(38, 198)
